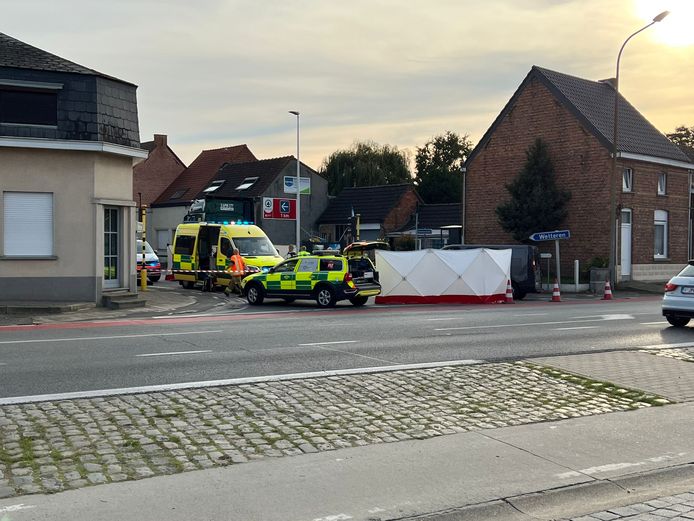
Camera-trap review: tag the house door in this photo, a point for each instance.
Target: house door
(112, 237)
(626, 244)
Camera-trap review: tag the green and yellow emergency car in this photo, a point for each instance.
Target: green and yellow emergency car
(326, 279)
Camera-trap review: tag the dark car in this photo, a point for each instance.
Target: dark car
(525, 265)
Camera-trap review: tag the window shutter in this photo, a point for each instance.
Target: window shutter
(28, 224)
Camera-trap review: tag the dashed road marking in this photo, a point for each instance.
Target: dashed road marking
(113, 337)
(176, 353)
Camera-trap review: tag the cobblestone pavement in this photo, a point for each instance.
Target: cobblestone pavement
(53, 446)
(676, 508)
(686, 354)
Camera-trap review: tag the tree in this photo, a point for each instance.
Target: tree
(365, 164)
(536, 204)
(438, 167)
(683, 137)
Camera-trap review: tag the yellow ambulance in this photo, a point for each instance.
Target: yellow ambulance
(202, 251)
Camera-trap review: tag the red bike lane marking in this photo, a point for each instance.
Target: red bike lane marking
(261, 315)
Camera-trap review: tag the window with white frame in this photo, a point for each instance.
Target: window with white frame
(660, 234)
(627, 180)
(662, 183)
(28, 224)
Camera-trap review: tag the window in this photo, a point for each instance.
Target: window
(308, 265)
(662, 183)
(27, 107)
(247, 183)
(28, 224)
(225, 247)
(185, 245)
(660, 235)
(178, 194)
(216, 185)
(251, 246)
(330, 265)
(627, 180)
(285, 267)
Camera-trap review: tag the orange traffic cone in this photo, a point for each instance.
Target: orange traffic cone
(608, 291)
(556, 295)
(509, 293)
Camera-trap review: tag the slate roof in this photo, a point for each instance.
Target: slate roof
(233, 175)
(200, 173)
(592, 102)
(435, 216)
(374, 203)
(20, 55)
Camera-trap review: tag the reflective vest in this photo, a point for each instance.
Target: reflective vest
(237, 265)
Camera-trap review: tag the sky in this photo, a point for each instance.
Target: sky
(215, 73)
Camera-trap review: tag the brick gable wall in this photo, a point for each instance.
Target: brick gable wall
(401, 214)
(582, 166)
(153, 175)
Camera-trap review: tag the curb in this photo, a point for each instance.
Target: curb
(43, 308)
(574, 500)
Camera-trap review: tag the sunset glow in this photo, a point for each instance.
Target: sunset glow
(676, 29)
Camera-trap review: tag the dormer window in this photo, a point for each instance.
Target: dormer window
(28, 107)
(178, 194)
(216, 185)
(247, 183)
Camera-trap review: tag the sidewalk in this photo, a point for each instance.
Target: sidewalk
(525, 440)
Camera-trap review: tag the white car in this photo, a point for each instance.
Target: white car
(678, 301)
(151, 260)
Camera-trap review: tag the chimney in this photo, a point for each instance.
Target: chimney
(160, 140)
(610, 81)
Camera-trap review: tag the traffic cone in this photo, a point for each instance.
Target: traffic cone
(608, 291)
(509, 293)
(556, 294)
(169, 274)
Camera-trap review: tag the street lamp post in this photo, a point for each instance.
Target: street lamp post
(298, 185)
(613, 170)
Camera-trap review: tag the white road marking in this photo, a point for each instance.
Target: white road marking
(572, 328)
(336, 517)
(15, 508)
(616, 316)
(531, 315)
(442, 319)
(41, 340)
(611, 467)
(330, 343)
(661, 323)
(233, 381)
(495, 326)
(3, 363)
(177, 353)
(667, 346)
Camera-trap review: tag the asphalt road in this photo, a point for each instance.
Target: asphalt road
(280, 339)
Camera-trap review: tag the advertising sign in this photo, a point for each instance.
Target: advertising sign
(276, 208)
(290, 185)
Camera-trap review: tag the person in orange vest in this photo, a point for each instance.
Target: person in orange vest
(237, 269)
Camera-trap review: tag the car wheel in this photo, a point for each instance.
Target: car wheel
(255, 294)
(154, 279)
(289, 300)
(325, 296)
(518, 294)
(358, 301)
(678, 321)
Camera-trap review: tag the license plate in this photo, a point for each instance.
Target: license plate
(688, 290)
(370, 275)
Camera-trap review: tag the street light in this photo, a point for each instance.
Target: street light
(298, 185)
(613, 170)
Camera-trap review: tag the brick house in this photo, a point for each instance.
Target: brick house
(240, 191)
(382, 209)
(69, 137)
(574, 116)
(170, 207)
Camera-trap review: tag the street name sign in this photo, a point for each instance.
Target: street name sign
(550, 236)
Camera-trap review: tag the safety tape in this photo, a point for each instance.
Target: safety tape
(206, 271)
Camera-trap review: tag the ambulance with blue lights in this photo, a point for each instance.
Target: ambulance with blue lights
(202, 251)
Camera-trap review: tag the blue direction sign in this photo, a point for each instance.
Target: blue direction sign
(284, 206)
(550, 236)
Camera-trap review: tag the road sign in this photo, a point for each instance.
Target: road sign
(550, 236)
(276, 208)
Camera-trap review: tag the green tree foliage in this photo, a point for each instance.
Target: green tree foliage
(365, 163)
(536, 204)
(438, 167)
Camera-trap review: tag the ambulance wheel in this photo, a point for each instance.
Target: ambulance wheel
(255, 294)
(358, 301)
(325, 296)
(188, 284)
